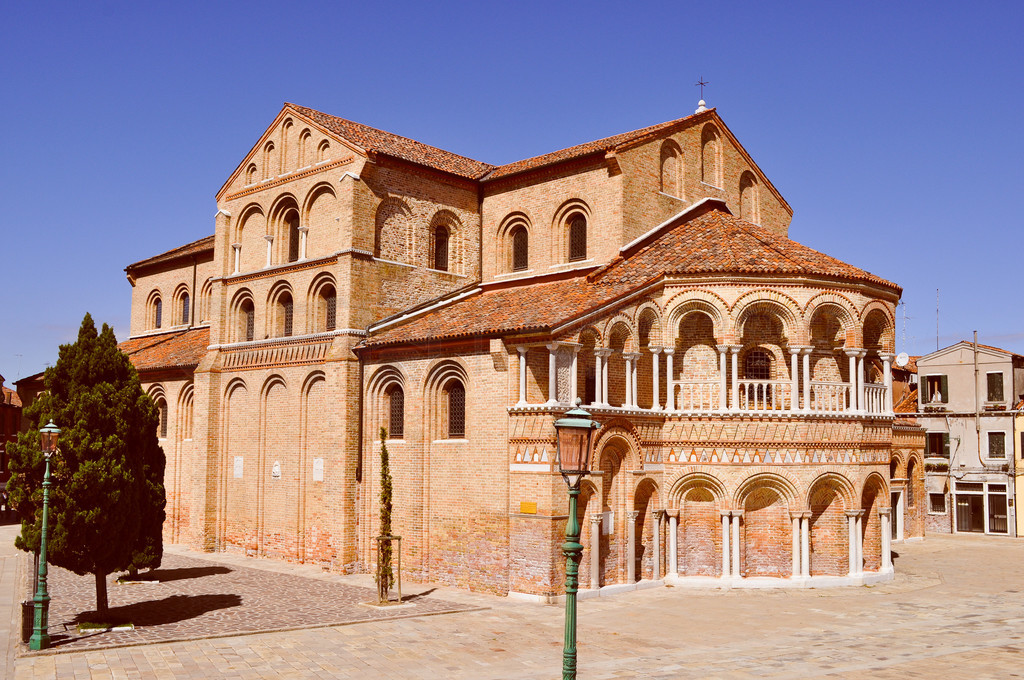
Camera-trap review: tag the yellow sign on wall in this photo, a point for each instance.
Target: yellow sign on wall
(527, 508)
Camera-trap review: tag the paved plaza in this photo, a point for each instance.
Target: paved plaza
(956, 609)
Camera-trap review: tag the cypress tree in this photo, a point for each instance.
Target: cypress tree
(385, 575)
(107, 496)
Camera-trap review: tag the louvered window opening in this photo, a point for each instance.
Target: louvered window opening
(158, 309)
(184, 308)
(456, 410)
(331, 299)
(396, 419)
(520, 250)
(250, 322)
(163, 419)
(578, 238)
(287, 308)
(441, 249)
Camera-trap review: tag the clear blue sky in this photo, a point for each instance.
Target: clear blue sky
(893, 129)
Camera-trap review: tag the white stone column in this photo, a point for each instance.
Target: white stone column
(861, 402)
(631, 537)
(851, 354)
(626, 399)
(723, 392)
(598, 372)
(670, 389)
(806, 354)
(552, 373)
(735, 349)
(303, 233)
(736, 515)
(794, 399)
(795, 517)
(270, 247)
(655, 379)
(633, 374)
(673, 530)
(860, 542)
(604, 377)
(885, 514)
(887, 380)
(851, 521)
(573, 375)
(595, 550)
(805, 544)
(522, 374)
(726, 552)
(657, 544)
(236, 249)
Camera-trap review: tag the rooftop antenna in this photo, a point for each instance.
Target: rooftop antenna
(903, 343)
(701, 106)
(936, 319)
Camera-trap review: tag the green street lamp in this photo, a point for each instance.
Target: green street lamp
(575, 433)
(40, 631)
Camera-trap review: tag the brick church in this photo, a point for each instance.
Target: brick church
(359, 279)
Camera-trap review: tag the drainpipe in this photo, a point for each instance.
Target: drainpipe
(195, 298)
(977, 405)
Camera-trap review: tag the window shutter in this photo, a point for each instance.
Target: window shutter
(944, 388)
(945, 445)
(923, 397)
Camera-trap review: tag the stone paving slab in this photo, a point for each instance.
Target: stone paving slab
(956, 609)
(190, 598)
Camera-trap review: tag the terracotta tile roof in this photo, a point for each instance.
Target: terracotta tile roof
(716, 242)
(601, 145)
(9, 397)
(179, 349)
(379, 141)
(908, 404)
(201, 246)
(711, 242)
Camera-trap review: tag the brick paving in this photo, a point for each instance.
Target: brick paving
(956, 609)
(189, 597)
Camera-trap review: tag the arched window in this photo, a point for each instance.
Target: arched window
(577, 237)
(325, 308)
(292, 220)
(184, 430)
(246, 321)
(250, 174)
(158, 312)
(303, 147)
(285, 314)
(205, 296)
(456, 396)
(671, 168)
(748, 198)
(396, 412)
(520, 249)
(184, 308)
(321, 150)
(161, 406)
(757, 365)
(269, 160)
(441, 248)
(710, 153)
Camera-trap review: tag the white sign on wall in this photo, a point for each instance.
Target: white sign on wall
(238, 467)
(275, 471)
(318, 469)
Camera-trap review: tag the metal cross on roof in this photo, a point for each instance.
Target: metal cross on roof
(701, 82)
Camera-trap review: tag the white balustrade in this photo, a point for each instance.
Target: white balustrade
(830, 397)
(696, 395)
(874, 398)
(765, 395)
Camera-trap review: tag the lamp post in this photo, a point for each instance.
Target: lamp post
(40, 632)
(575, 432)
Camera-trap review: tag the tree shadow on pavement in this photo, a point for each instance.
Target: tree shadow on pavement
(166, 575)
(416, 596)
(171, 609)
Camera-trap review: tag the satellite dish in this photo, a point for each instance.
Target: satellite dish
(902, 359)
